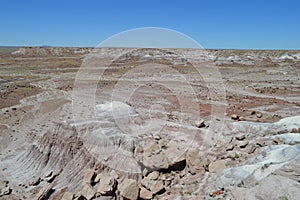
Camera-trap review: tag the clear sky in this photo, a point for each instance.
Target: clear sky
(229, 24)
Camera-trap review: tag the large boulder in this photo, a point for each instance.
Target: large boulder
(129, 189)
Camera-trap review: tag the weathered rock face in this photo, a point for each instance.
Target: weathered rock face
(129, 189)
(194, 162)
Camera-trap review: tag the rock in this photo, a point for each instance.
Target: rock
(107, 184)
(217, 166)
(35, 182)
(253, 112)
(240, 137)
(171, 158)
(158, 161)
(49, 177)
(45, 192)
(278, 140)
(260, 142)
(152, 148)
(156, 137)
(259, 115)
(145, 172)
(243, 144)
(87, 191)
(175, 156)
(194, 162)
(153, 185)
(235, 117)
(242, 119)
(153, 175)
(230, 147)
(294, 130)
(129, 189)
(67, 196)
(89, 176)
(200, 123)
(97, 178)
(145, 194)
(4, 188)
(250, 148)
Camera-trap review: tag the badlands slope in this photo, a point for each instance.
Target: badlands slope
(113, 123)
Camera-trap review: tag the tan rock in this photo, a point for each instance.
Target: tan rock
(97, 178)
(89, 176)
(294, 130)
(200, 123)
(217, 166)
(107, 184)
(194, 162)
(35, 182)
(242, 144)
(240, 137)
(4, 188)
(250, 148)
(234, 117)
(129, 189)
(87, 192)
(145, 194)
(67, 196)
(259, 115)
(260, 142)
(153, 185)
(153, 175)
(45, 192)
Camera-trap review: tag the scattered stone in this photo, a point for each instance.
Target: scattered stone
(107, 185)
(200, 123)
(251, 148)
(194, 162)
(87, 192)
(35, 182)
(156, 137)
(145, 194)
(217, 166)
(240, 137)
(235, 117)
(89, 176)
(152, 185)
(129, 189)
(45, 192)
(243, 144)
(67, 196)
(242, 119)
(260, 142)
(259, 115)
(253, 112)
(4, 188)
(230, 147)
(278, 140)
(49, 177)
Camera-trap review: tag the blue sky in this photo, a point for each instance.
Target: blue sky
(229, 24)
